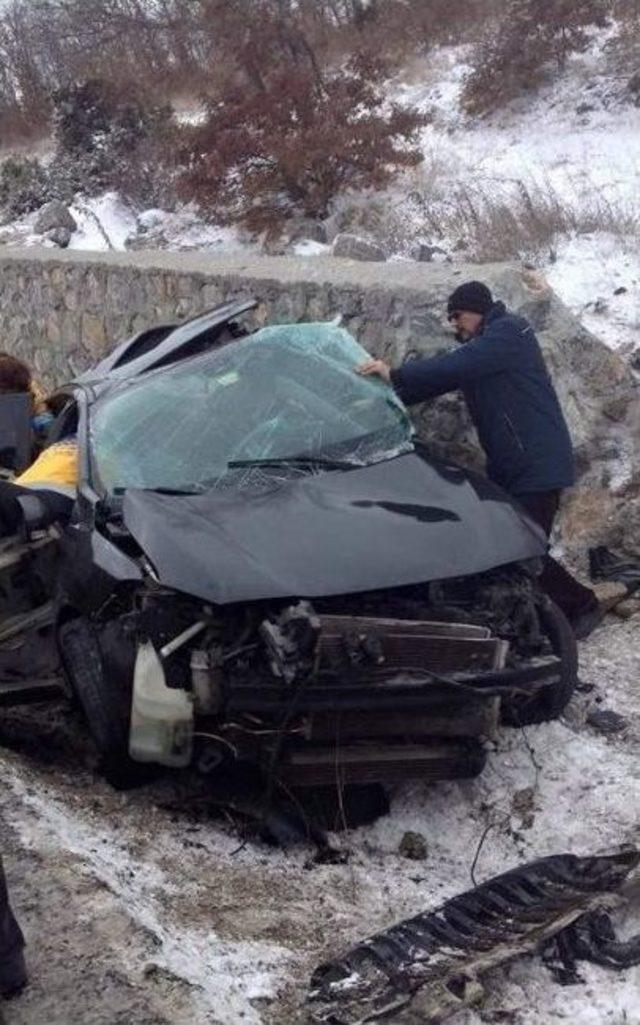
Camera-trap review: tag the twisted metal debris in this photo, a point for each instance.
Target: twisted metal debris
(427, 967)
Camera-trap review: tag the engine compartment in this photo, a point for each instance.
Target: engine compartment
(373, 687)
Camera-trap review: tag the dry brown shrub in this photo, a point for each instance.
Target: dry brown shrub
(19, 126)
(293, 143)
(532, 39)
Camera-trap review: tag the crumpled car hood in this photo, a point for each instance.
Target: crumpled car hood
(404, 521)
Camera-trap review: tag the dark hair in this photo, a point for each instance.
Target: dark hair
(15, 375)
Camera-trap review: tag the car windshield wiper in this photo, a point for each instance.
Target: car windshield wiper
(120, 492)
(330, 464)
(174, 491)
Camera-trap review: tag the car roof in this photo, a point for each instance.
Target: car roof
(164, 344)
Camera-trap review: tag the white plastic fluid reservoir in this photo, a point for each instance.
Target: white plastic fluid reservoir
(161, 717)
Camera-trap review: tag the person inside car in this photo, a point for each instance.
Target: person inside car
(52, 479)
(500, 369)
(16, 379)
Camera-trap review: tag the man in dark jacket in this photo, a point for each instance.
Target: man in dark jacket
(13, 974)
(501, 372)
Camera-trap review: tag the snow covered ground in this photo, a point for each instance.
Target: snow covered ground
(598, 277)
(139, 908)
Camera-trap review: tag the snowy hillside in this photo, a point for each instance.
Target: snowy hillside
(575, 149)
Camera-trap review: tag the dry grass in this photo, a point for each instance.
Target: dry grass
(504, 223)
(533, 219)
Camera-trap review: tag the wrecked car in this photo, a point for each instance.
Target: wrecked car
(265, 565)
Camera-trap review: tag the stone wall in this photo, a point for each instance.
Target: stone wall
(61, 310)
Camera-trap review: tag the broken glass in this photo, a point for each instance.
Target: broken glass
(284, 401)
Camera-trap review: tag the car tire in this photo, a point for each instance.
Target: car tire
(105, 699)
(551, 700)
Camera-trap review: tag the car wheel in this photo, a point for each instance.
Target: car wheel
(550, 701)
(104, 694)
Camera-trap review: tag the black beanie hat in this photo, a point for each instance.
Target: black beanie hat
(472, 296)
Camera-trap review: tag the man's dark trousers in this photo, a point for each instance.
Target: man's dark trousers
(574, 599)
(12, 970)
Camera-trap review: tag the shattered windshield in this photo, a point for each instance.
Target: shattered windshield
(285, 400)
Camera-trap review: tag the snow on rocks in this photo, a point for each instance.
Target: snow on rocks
(104, 222)
(183, 229)
(54, 215)
(107, 222)
(60, 236)
(353, 247)
(423, 252)
(309, 247)
(99, 223)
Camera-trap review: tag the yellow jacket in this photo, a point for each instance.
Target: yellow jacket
(55, 469)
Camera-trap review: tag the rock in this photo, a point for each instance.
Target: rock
(333, 227)
(620, 291)
(413, 846)
(606, 721)
(610, 593)
(424, 253)
(617, 407)
(54, 215)
(147, 240)
(273, 245)
(94, 337)
(60, 236)
(307, 228)
(586, 516)
(581, 459)
(625, 528)
(627, 609)
(633, 85)
(534, 279)
(151, 218)
(353, 247)
(584, 108)
(523, 805)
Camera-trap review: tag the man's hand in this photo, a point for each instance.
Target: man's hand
(375, 368)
